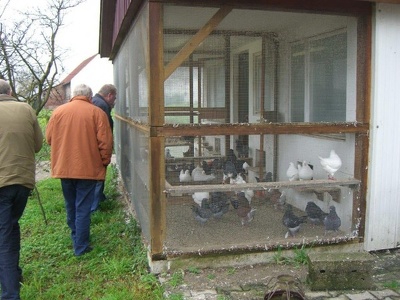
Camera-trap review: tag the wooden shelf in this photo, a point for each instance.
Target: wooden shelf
(306, 184)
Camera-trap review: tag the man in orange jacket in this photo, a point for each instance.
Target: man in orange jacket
(81, 146)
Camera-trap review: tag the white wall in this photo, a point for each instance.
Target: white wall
(383, 196)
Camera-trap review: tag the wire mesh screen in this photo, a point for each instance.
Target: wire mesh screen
(131, 145)
(257, 67)
(212, 207)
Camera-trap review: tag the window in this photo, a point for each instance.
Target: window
(318, 69)
(177, 88)
(269, 81)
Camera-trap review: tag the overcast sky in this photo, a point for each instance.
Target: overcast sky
(80, 34)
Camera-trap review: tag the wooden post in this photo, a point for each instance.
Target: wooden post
(157, 213)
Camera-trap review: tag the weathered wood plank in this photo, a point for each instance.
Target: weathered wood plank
(260, 185)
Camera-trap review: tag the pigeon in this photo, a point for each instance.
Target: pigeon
(249, 194)
(281, 201)
(245, 167)
(331, 164)
(314, 213)
(199, 196)
(202, 176)
(292, 222)
(229, 170)
(168, 153)
(267, 178)
(277, 197)
(292, 172)
(196, 171)
(184, 176)
(202, 213)
(243, 209)
(207, 168)
(231, 156)
(305, 171)
(332, 221)
(219, 204)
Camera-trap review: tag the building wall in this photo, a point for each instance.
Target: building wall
(383, 197)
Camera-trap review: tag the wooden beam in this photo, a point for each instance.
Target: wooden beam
(351, 183)
(194, 42)
(261, 128)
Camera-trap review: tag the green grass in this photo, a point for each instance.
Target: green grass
(393, 285)
(300, 257)
(116, 269)
(43, 119)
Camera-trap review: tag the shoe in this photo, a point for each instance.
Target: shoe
(87, 250)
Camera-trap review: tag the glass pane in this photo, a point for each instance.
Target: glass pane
(297, 82)
(179, 86)
(328, 70)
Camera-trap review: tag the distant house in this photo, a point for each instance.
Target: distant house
(93, 71)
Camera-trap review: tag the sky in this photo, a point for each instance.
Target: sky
(79, 35)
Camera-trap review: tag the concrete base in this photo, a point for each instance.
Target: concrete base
(236, 260)
(340, 271)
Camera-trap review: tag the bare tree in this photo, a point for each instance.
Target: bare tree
(29, 56)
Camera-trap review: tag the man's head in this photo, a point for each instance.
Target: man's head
(82, 90)
(5, 88)
(109, 93)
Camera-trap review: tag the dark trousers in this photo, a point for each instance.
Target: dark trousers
(98, 195)
(78, 196)
(13, 200)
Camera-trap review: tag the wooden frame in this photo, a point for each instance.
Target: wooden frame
(158, 130)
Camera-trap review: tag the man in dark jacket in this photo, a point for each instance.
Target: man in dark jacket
(20, 138)
(105, 99)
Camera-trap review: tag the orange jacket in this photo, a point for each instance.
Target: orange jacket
(81, 140)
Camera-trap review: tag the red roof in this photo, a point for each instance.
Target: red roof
(77, 70)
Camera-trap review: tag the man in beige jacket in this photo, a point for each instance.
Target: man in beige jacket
(20, 138)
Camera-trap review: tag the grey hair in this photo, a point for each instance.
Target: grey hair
(82, 90)
(108, 89)
(5, 87)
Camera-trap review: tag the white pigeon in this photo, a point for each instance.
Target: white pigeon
(202, 176)
(245, 167)
(292, 172)
(184, 176)
(197, 170)
(305, 171)
(199, 196)
(331, 164)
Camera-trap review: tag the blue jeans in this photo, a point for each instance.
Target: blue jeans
(78, 196)
(98, 195)
(13, 200)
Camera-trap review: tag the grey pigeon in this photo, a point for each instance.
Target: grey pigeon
(218, 204)
(292, 222)
(229, 170)
(202, 213)
(314, 213)
(332, 221)
(267, 178)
